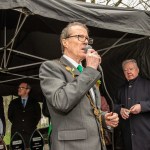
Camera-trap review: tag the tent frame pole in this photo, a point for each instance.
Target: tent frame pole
(5, 59)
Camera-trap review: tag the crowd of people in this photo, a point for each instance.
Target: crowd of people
(77, 111)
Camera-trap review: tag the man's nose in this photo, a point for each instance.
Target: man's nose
(86, 41)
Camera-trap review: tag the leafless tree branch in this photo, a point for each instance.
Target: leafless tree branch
(118, 3)
(146, 3)
(108, 2)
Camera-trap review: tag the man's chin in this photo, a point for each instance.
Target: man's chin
(83, 56)
(130, 78)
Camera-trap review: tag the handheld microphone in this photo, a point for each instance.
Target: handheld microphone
(90, 47)
(87, 48)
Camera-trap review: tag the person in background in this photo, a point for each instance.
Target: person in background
(75, 114)
(24, 113)
(104, 104)
(134, 108)
(2, 118)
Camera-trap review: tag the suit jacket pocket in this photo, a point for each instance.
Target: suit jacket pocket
(72, 134)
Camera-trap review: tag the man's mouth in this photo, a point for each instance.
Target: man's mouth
(84, 49)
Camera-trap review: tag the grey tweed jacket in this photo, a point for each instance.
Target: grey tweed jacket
(74, 126)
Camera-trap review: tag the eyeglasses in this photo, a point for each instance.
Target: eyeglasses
(82, 38)
(22, 88)
(129, 69)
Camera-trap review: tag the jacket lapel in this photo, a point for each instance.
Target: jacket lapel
(66, 63)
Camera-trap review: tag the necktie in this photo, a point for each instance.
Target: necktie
(23, 102)
(80, 68)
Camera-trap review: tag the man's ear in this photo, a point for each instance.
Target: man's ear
(28, 90)
(64, 42)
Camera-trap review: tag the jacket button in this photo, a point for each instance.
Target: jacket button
(132, 134)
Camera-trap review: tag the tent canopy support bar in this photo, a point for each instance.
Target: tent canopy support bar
(26, 54)
(23, 66)
(125, 43)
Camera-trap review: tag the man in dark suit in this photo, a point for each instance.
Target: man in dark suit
(24, 113)
(66, 86)
(134, 108)
(2, 117)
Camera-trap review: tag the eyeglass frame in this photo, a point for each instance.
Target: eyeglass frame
(22, 88)
(90, 40)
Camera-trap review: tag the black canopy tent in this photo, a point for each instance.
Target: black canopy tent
(30, 29)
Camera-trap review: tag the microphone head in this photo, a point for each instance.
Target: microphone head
(88, 47)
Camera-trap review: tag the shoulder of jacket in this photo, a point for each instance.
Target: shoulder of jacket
(51, 62)
(16, 100)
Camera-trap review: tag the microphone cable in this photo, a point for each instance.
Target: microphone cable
(112, 103)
